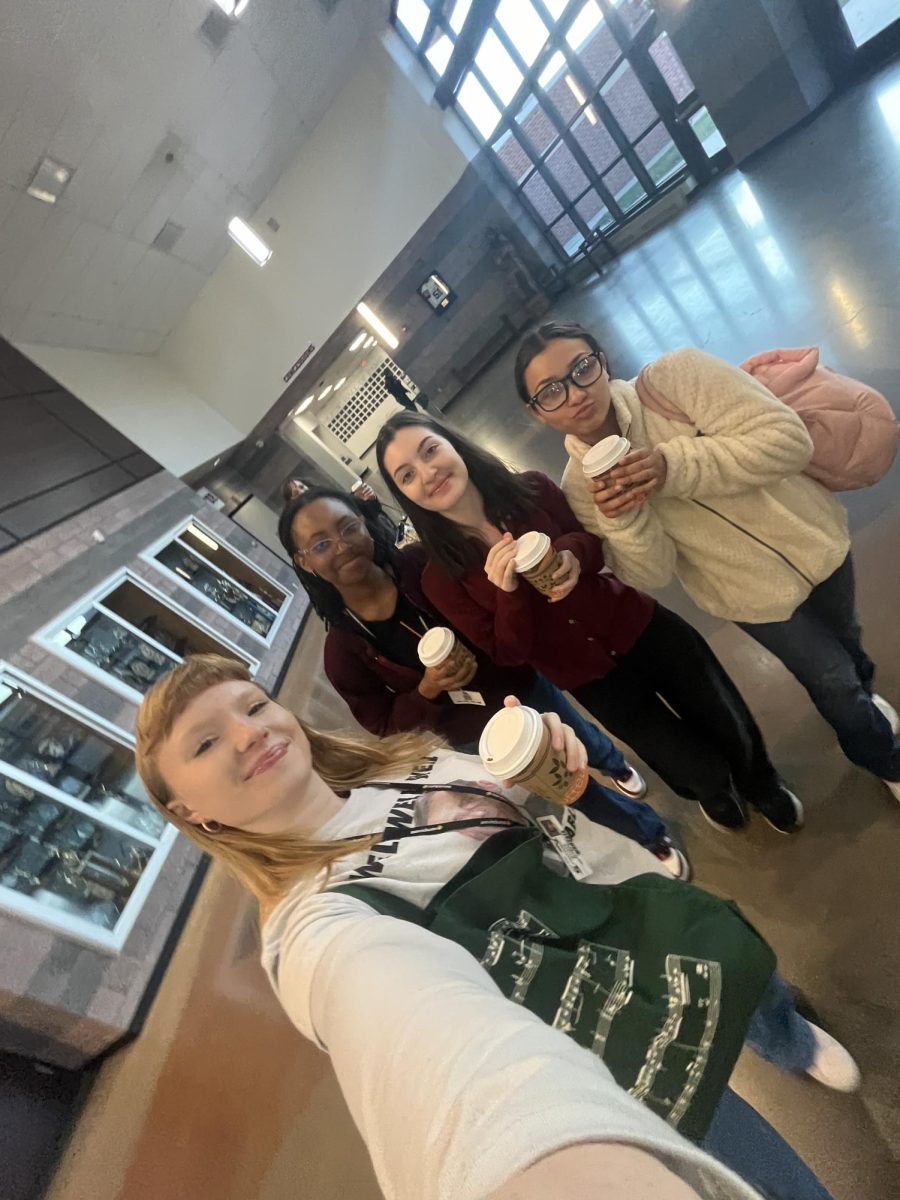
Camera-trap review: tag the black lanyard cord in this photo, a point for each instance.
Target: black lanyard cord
(422, 789)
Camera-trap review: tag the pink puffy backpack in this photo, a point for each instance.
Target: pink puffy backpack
(853, 428)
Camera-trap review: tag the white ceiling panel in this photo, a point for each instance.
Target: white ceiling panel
(112, 90)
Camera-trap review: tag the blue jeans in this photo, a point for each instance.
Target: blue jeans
(743, 1140)
(605, 807)
(820, 645)
(778, 1033)
(738, 1135)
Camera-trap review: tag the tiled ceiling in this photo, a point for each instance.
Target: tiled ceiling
(168, 112)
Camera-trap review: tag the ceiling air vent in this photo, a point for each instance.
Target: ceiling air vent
(167, 236)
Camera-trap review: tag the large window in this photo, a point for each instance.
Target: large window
(128, 634)
(80, 844)
(251, 599)
(589, 112)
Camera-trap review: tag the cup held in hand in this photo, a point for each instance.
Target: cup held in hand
(536, 561)
(604, 455)
(440, 644)
(515, 746)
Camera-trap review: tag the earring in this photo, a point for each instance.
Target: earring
(211, 826)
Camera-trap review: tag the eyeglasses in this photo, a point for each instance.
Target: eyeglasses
(555, 394)
(353, 531)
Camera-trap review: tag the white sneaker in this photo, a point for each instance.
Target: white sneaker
(673, 860)
(833, 1066)
(888, 712)
(632, 785)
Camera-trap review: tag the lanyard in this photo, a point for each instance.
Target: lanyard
(422, 789)
(409, 629)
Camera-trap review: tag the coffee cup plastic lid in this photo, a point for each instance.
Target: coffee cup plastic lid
(435, 645)
(531, 548)
(510, 740)
(604, 455)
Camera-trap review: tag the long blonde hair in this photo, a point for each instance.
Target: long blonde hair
(267, 864)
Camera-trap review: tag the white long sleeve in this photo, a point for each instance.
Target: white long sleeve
(636, 546)
(454, 1088)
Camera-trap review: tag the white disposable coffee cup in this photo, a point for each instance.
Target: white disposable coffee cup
(354, 487)
(510, 741)
(531, 550)
(516, 746)
(604, 456)
(436, 646)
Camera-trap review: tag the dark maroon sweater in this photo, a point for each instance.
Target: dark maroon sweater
(571, 641)
(383, 695)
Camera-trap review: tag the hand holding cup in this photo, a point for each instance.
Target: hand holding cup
(566, 575)
(500, 564)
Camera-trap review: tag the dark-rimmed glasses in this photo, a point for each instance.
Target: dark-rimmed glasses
(555, 394)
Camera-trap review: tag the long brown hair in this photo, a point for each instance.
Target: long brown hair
(506, 495)
(267, 864)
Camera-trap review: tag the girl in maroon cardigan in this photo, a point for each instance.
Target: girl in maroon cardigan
(646, 674)
(369, 595)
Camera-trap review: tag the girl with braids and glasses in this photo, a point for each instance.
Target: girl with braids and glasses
(642, 671)
(369, 595)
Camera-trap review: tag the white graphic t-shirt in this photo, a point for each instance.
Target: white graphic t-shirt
(415, 868)
(454, 1088)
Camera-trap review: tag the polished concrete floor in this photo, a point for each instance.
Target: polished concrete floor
(219, 1100)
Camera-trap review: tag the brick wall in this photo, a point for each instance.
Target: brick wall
(61, 1001)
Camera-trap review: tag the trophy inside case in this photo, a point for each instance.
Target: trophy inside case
(224, 579)
(135, 636)
(77, 831)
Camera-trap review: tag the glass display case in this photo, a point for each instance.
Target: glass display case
(80, 843)
(225, 579)
(129, 635)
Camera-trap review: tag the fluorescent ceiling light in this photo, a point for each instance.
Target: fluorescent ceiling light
(370, 341)
(304, 404)
(203, 537)
(340, 382)
(358, 341)
(49, 180)
(591, 115)
(250, 242)
(232, 8)
(326, 392)
(378, 325)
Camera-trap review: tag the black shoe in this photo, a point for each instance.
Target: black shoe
(725, 811)
(782, 810)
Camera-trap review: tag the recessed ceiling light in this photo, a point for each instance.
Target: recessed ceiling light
(378, 325)
(370, 341)
(326, 392)
(251, 243)
(304, 404)
(340, 382)
(49, 180)
(358, 341)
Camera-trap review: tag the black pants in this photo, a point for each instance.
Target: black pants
(671, 700)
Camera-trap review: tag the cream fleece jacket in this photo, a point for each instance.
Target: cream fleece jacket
(747, 534)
